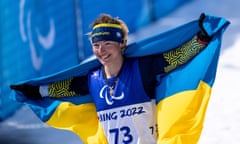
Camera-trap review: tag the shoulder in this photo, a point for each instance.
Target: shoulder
(95, 72)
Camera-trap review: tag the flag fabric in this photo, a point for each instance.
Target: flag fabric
(181, 96)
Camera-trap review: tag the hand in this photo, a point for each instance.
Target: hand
(31, 92)
(203, 35)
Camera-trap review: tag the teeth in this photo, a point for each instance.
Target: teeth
(105, 57)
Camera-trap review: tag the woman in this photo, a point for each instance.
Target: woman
(122, 89)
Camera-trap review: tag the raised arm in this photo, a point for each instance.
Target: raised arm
(153, 65)
(182, 54)
(76, 86)
(170, 60)
(72, 87)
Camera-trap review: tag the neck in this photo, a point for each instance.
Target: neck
(114, 69)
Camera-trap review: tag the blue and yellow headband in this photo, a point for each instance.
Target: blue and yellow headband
(107, 32)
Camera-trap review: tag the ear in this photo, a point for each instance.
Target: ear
(123, 45)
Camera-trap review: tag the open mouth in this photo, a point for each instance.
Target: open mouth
(105, 58)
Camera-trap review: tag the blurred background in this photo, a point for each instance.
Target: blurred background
(38, 38)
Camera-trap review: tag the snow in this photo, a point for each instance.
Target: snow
(222, 121)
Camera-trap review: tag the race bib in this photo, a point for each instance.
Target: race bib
(132, 124)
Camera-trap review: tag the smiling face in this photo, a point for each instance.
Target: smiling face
(109, 40)
(107, 52)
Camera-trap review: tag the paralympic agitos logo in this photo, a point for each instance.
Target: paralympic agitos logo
(104, 94)
(28, 32)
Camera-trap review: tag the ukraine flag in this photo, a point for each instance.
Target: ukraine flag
(182, 95)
